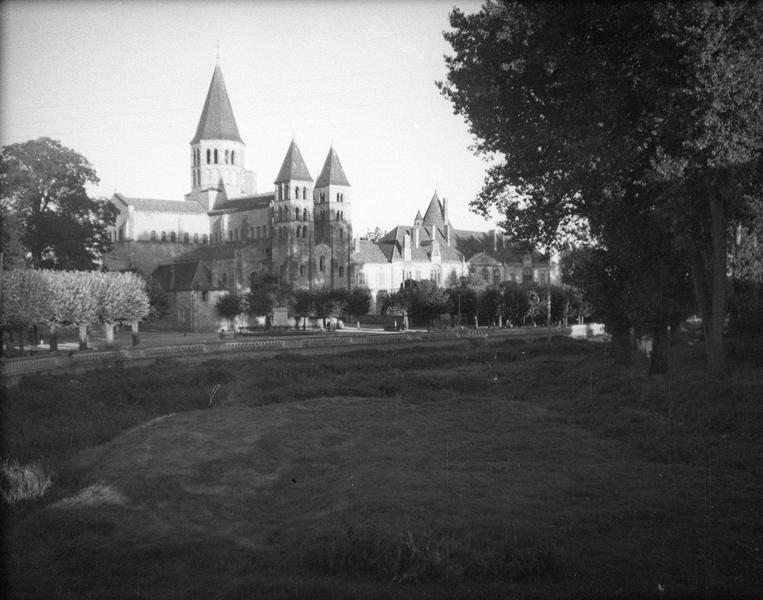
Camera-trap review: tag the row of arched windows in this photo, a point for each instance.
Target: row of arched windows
(214, 157)
(283, 214)
(299, 192)
(163, 236)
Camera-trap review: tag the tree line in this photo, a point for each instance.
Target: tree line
(267, 291)
(71, 298)
(630, 132)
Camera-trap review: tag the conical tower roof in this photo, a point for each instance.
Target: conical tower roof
(293, 166)
(332, 173)
(434, 215)
(217, 121)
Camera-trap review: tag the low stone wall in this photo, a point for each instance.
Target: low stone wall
(13, 368)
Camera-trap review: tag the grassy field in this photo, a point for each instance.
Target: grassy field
(471, 471)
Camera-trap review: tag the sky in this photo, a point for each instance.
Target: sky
(123, 83)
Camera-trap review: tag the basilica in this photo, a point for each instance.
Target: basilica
(224, 231)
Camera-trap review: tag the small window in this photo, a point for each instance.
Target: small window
(323, 197)
(258, 232)
(341, 233)
(186, 238)
(230, 235)
(299, 227)
(301, 270)
(195, 238)
(215, 155)
(296, 214)
(304, 215)
(322, 263)
(227, 157)
(233, 157)
(225, 279)
(209, 156)
(204, 239)
(341, 271)
(204, 296)
(251, 232)
(338, 197)
(153, 236)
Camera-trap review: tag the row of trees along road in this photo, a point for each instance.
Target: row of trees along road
(508, 303)
(636, 128)
(71, 298)
(269, 291)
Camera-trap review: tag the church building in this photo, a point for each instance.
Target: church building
(224, 231)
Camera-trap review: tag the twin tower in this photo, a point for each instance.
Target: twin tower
(306, 223)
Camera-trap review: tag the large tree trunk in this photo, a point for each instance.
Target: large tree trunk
(716, 353)
(621, 344)
(82, 337)
(53, 334)
(108, 330)
(660, 347)
(134, 328)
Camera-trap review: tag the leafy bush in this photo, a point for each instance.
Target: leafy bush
(23, 482)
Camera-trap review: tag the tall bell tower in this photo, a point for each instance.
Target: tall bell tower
(218, 156)
(333, 220)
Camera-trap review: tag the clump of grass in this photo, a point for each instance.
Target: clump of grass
(23, 481)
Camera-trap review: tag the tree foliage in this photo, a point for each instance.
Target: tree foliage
(618, 117)
(43, 192)
(267, 291)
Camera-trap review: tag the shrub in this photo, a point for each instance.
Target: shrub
(23, 482)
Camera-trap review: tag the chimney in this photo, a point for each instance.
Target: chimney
(407, 247)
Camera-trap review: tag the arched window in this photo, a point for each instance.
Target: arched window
(258, 232)
(251, 232)
(153, 236)
(204, 239)
(337, 197)
(299, 227)
(323, 197)
(304, 215)
(233, 157)
(322, 263)
(209, 156)
(173, 237)
(341, 233)
(227, 157)
(225, 279)
(215, 155)
(301, 270)
(195, 238)
(296, 214)
(286, 191)
(186, 238)
(436, 274)
(304, 193)
(341, 271)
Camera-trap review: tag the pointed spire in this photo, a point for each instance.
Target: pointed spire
(217, 121)
(434, 214)
(293, 166)
(332, 173)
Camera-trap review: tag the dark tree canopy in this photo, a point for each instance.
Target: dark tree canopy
(43, 192)
(616, 115)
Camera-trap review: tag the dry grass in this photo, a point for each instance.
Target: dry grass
(466, 472)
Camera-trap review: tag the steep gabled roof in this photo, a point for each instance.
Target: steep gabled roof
(293, 167)
(250, 202)
(181, 276)
(434, 215)
(166, 206)
(217, 121)
(332, 172)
